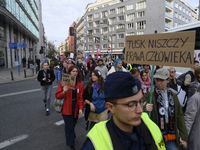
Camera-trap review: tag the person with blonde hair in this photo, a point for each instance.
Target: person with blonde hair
(172, 80)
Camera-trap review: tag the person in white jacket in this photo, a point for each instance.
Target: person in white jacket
(117, 67)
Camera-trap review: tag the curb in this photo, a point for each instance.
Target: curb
(9, 82)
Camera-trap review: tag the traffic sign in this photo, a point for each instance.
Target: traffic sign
(109, 48)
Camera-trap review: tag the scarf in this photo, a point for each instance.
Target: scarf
(166, 120)
(96, 86)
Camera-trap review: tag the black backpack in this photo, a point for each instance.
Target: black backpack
(181, 80)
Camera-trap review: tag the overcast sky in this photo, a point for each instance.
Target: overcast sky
(58, 15)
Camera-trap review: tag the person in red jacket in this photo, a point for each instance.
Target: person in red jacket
(73, 105)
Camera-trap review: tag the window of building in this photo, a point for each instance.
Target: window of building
(90, 39)
(130, 33)
(96, 46)
(180, 17)
(141, 25)
(2, 33)
(140, 33)
(180, 7)
(120, 18)
(96, 31)
(113, 45)
(120, 45)
(96, 39)
(90, 18)
(121, 10)
(90, 32)
(105, 38)
(183, 18)
(140, 14)
(176, 14)
(175, 24)
(112, 11)
(113, 38)
(140, 5)
(190, 14)
(130, 25)
(187, 12)
(186, 20)
(96, 23)
(111, 28)
(183, 9)
(90, 47)
(90, 24)
(120, 26)
(104, 30)
(105, 46)
(105, 21)
(112, 20)
(96, 15)
(176, 5)
(130, 17)
(104, 14)
(120, 36)
(129, 7)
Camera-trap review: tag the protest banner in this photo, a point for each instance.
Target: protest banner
(68, 80)
(171, 49)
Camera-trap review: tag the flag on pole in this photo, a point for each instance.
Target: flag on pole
(86, 57)
(98, 52)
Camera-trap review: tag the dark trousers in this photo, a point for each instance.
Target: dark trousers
(70, 123)
(24, 65)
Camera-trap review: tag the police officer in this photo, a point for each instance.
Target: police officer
(129, 128)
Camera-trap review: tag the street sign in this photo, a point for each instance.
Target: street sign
(109, 48)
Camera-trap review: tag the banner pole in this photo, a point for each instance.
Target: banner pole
(151, 90)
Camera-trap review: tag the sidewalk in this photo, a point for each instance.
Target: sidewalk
(5, 75)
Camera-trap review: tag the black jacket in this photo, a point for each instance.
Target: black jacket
(87, 96)
(49, 75)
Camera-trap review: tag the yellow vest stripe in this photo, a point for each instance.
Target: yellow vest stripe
(155, 131)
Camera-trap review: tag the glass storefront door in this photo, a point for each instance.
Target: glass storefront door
(2, 57)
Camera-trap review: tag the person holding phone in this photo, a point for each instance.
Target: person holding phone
(46, 77)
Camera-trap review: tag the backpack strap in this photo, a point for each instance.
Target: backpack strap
(117, 144)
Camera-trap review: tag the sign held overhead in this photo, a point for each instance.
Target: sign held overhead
(171, 49)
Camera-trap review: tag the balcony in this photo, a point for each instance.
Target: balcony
(120, 30)
(169, 4)
(168, 15)
(168, 25)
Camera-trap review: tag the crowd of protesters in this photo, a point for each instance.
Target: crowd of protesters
(109, 83)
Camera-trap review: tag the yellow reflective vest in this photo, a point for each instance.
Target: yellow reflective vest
(130, 67)
(100, 137)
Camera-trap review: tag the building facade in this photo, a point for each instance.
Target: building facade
(20, 22)
(108, 22)
(79, 37)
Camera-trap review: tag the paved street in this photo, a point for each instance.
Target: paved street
(24, 125)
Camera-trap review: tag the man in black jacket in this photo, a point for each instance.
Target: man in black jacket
(46, 77)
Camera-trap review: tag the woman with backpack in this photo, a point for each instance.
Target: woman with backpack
(94, 98)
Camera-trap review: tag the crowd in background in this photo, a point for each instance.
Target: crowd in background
(97, 69)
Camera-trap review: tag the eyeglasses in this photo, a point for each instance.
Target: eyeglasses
(75, 71)
(132, 105)
(173, 71)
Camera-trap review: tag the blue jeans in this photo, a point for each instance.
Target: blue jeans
(171, 145)
(58, 75)
(70, 123)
